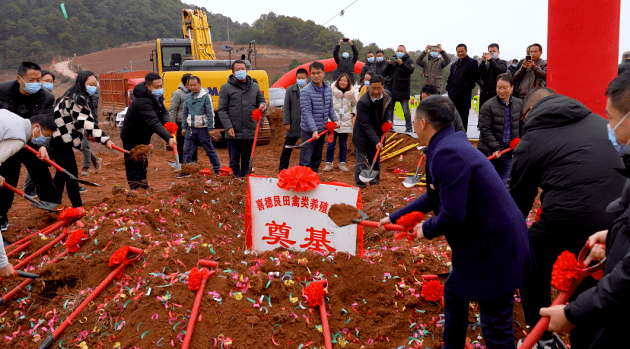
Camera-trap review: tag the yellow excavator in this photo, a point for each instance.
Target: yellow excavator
(194, 54)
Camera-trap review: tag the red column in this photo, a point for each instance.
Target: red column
(583, 40)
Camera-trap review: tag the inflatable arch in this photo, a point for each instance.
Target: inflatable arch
(288, 79)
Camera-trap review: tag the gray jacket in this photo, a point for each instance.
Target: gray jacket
(177, 104)
(236, 105)
(432, 67)
(13, 126)
(292, 112)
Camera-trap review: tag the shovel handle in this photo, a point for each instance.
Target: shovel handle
(48, 161)
(255, 139)
(378, 151)
(115, 147)
(420, 163)
(318, 135)
(506, 150)
(20, 193)
(373, 224)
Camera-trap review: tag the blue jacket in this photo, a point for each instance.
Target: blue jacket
(198, 111)
(475, 212)
(315, 110)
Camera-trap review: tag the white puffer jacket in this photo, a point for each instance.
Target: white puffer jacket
(349, 103)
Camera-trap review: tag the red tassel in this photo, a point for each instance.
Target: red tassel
(119, 256)
(71, 213)
(73, 241)
(410, 219)
(171, 127)
(432, 291)
(257, 115)
(386, 127)
(514, 143)
(315, 293)
(565, 270)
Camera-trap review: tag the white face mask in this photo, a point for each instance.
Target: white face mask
(623, 149)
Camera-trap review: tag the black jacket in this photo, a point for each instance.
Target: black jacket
(41, 102)
(146, 115)
(512, 70)
(488, 73)
(345, 65)
(564, 150)
(400, 77)
(492, 124)
(462, 78)
(367, 132)
(623, 67)
(598, 308)
(377, 67)
(236, 105)
(292, 113)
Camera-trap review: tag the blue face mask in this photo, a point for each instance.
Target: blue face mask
(494, 54)
(623, 149)
(515, 65)
(379, 59)
(240, 75)
(91, 90)
(301, 82)
(370, 59)
(400, 54)
(32, 87)
(38, 140)
(158, 92)
(433, 54)
(367, 83)
(48, 85)
(345, 55)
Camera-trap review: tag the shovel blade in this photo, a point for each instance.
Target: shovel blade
(92, 184)
(364, 217)
(410, 181)
(174, 165)
(368, 175)
(45, 205)
(302, 145)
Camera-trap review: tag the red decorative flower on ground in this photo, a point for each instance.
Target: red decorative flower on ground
(119, 256)
(386, 127)
(171, 127)
(298, 178)
(314, 293)
(71, 213)
(72, 244)
(432, 291)
(195, 276)
(514, 143)
(565, 270)
(410, 219)
(225, 170)
(257, 115)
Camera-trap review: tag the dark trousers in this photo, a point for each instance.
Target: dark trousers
(311, 155)
(10, 170)
(485, 96)
(29, 186)
(343, 148)
(136, 173)
(364, 161)
(64, 156)
(285, 156)
(536, 289)
(462, 104)
(201, 136)
(240, 151)
(404, 103)
(496, 320)
(181, 140)
(503, 166)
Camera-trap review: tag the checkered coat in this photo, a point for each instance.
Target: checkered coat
(74, 120)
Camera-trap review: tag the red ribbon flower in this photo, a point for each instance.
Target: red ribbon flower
(257, 115)
(386, 127)
(538, 212)
(514, 143)
(314, 293)
(225, 170)
(73, 241)
(171, 127)
(71, 213)
(330, 126)
(119, 256)
(565, 270)
(298, 178)
(432, 291)
(410, 219)
(195, 276)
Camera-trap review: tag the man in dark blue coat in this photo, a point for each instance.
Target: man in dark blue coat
(483, 226)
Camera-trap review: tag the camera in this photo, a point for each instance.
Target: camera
(528, 58)
(345, 39)
(434, 47)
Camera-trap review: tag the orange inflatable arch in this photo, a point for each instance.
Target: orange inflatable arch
(288, 79)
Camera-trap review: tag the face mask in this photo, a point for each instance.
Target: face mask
(514, 65)
(345, 55)
(32, 87)
(623, 149)
(39, 140)
(494, 54)
(158, 93)
(433, 54)
(370, 59)
(91, 90)
(49, 86)
(400, 54)
(379, 59)
(367, 83)
(301, 82)
(240, 75)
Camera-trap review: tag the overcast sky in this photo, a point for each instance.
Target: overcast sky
(512, 24)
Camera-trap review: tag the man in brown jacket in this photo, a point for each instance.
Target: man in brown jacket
(533, 72)
(433, 60)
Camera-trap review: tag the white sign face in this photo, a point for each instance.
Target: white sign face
(299, 221)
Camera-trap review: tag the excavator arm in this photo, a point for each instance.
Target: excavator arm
(195, 27)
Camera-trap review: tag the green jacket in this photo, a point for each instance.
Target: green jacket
(198, 111)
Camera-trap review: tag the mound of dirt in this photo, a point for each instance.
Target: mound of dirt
(140, 152)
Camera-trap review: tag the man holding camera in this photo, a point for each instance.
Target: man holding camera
(433, 60)
(533, 72)
(375, 63)
(400, 69)
(489, 69)
(345, 64)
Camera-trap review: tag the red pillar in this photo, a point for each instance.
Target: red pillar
(583, 40)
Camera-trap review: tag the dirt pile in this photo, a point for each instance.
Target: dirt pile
(343, 214)
(140, 152)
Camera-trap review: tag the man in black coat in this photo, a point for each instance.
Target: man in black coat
(146, 115)
(461, 81)
(292, 114)
(25, 97)
(377, 64)
(625, 63)
(565, 151)
(596, 311)
(490, 68)
(345, 64)
(512, 69)
(400, 70)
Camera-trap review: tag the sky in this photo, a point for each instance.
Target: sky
(512, 24)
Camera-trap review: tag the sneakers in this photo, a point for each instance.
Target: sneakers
(97, 165)
(85, 172)
(4, 223)
(343, 167)
(329, 166)
(82, 190)
(541, 344)
(182, 175)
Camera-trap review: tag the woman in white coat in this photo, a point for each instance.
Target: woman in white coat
(345, 105)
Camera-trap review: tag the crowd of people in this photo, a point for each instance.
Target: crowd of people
(578, 159)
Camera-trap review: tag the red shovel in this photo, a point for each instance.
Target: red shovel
(171, 127)
(115, 147)
(115, 273)
(195, 309)
(513, 144)
(59, 168)
(303, 144)
(314, 291)
(44, 205)
(257, 116)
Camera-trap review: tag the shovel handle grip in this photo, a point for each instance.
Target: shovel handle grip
(506, 150)
(420, 162)
(255, 139)
(378, 151)
(115, 147)
(13, 189)
(48, 161)
(395, 227)
(318, 135)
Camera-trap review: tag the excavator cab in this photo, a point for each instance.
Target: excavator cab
(170, 54)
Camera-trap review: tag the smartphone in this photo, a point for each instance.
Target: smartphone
(346, 39)
(434, 47)
(528, 58)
